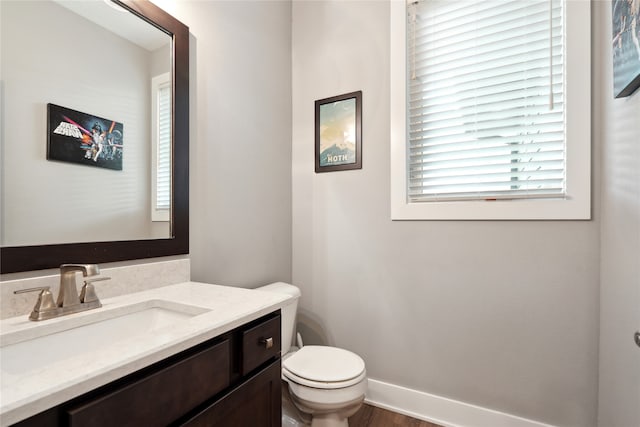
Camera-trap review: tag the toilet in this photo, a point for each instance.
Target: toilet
(326, 383)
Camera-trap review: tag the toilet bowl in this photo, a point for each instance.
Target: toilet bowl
(327, 383)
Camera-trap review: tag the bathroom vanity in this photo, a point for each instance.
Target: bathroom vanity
(210, 355)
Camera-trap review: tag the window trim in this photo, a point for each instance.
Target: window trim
(575, 206)
(157, 82)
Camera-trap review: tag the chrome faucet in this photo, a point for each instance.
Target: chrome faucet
(68, 301)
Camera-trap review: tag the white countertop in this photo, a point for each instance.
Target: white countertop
(24, 395)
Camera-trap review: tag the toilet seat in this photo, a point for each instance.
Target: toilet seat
(324, 385)
(324, 367)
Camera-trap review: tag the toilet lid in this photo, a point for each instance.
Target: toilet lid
(324, 364)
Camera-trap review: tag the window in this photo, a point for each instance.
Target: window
(161, 148)
(490, 114)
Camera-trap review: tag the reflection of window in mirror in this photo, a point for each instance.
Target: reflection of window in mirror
(161, 148)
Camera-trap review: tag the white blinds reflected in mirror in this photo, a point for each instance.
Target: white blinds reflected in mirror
(161, 148)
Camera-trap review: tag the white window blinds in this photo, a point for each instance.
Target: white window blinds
(485, 100)
(163, 165)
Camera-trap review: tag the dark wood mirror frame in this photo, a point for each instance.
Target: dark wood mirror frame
(27, 258)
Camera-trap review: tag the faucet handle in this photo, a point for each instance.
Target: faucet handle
(45, 307)
(88, 292)
(95, 278)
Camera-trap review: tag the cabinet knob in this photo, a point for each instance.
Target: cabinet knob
(268, 342)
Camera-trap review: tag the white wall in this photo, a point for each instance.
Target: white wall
(240, 163)
(618, 123)
(86, 68)
(499, 314)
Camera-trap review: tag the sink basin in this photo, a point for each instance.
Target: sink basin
(65, 337)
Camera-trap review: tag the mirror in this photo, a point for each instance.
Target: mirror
(97, 206)
(100, 117)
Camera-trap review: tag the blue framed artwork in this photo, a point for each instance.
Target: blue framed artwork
(338, 122)
(625, 46)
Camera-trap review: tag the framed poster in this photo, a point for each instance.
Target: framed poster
(76, 137)
(625, 46)
(338, 123)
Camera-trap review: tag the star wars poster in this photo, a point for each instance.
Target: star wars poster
(82, 138)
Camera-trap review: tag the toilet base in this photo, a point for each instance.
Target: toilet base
(328, 415)
(291, 415)
(329, 420)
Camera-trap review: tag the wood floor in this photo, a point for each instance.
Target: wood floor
(371, 416)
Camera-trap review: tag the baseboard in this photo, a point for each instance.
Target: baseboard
(440, 410)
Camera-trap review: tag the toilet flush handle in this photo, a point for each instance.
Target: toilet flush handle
(268, 342)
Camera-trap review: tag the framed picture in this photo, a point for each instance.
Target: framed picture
(625, 46)
(339, 133)
(84, 139)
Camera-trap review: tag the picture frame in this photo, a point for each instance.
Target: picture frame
(338, 133)
(85, 139)
(625, 47)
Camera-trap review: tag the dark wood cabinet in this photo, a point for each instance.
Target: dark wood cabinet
(259, 343)
(257, 403)
(231, 380)
(159, 398)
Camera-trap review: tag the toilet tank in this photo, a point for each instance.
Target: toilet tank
(288, 311)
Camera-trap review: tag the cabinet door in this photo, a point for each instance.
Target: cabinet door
(256, 403)
(160, 398)
(260, 343)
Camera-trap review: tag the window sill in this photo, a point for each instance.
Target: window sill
(481, 210)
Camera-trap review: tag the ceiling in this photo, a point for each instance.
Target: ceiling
(111, 17)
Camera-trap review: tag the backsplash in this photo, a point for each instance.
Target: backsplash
(124, 280)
